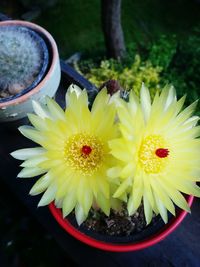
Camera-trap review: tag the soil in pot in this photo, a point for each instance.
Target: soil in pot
(23, 61)
(119, 227)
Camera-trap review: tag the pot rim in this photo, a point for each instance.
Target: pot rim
(168, 229)
(52, 61)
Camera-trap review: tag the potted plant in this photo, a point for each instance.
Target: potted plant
(29, 67)
(120, 159)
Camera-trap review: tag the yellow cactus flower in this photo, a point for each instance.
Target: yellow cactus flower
(73, 154)
(159, 152)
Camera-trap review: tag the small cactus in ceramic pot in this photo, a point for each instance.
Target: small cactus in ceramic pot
(29, 69)
(23, 61)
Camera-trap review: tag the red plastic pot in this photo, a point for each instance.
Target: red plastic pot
(152, 240)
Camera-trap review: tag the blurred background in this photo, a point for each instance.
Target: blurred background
(133, 41)
(158, 41)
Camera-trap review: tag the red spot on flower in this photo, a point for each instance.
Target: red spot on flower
(86, 150)
(162, 152)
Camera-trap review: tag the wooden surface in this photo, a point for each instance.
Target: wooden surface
(180, 249)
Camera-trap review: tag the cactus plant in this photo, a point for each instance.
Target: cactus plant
(23, 60)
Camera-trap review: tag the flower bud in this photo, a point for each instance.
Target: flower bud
(112, 86)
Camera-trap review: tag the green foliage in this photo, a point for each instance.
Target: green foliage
(75, 25)
(162, 51)
(128, 77)
(184, 71)
(168, 60)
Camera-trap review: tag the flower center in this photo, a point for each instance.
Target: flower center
(152, 155)
(162, 152)
(84, 153)
(86, 150)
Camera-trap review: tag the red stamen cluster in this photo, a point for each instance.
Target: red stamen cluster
(162, 152)
(86, 150)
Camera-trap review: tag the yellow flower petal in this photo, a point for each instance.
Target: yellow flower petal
(147, 209)
(37, 122)
(114, 172)
(103, 186)
(177, 197)
(136, 196)
(85, 196)
(32, 134)
(187, 187)
(117, 149)
(148, 192)
(161, 156)
(55, 110)
(33, 162)
(103, 203)
(30, 172)
(145, 102)
(48, 196)
(79, 213)
(161, 208)
(186, 113)
(26, 153)
(100, 100)
(41, 185)
(74, 152)
(69, 203)
(40, 109)
(128, 170)
(171, 98)
(72, 88)
(122, 188)
(162, 195)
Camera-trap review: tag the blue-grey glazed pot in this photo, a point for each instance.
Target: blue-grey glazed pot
(17, 107)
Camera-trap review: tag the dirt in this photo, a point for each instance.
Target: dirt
(118, 223)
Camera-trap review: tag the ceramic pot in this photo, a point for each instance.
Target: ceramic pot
(151, 238)
(17, 108)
